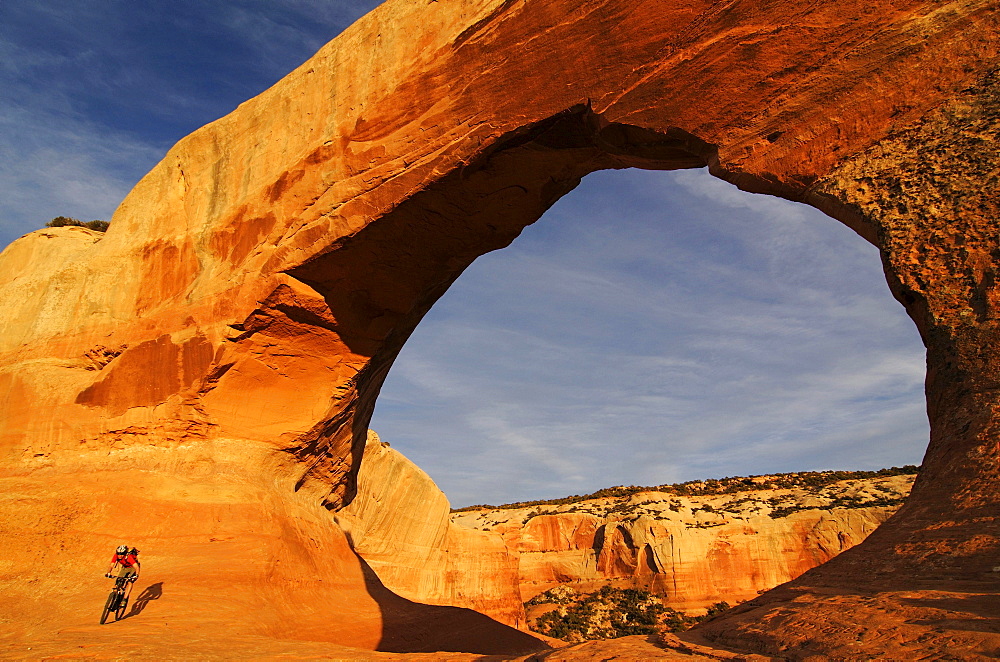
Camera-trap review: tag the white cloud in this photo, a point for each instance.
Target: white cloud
(92, 101)
(678, 343)
(54, 164)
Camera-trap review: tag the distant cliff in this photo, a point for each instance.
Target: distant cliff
(694, 550)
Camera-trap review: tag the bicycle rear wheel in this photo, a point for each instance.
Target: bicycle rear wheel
(109, 606)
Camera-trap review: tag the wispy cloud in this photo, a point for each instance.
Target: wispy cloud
(95, 92)
(701, 332)
(54, 164)
(291, 26)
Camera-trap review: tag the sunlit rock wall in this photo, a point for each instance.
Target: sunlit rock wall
(693, 551)
(399, 523)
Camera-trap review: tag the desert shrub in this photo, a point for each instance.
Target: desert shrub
(64, 221)
(610, 613)
(717, 609)
(558, 595)
(713, 486)
(890, 500)
(605, 614)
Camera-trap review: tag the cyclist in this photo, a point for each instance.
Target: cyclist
(128, 562)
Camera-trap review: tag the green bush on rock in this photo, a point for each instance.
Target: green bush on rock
(610, 613)
(64, 221)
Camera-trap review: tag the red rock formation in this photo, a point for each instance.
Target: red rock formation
(694, 551)
(256, 285)
(399, 524)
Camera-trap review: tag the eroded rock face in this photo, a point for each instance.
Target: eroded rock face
(694, 551)
(399, 523)
(255, 286)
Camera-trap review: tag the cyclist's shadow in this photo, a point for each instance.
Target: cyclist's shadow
(151, 592)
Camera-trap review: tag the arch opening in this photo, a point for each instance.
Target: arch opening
(767, 324)
(655, 328)
(379, 283)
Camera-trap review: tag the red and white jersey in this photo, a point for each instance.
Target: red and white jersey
(126, 560)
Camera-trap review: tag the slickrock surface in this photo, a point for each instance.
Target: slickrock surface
(231, 562)
(695, 551)
(219, 351)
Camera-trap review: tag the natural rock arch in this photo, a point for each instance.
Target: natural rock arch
(258, 283)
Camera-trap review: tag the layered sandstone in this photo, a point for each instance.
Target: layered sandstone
(693, 551)
(226, 339)
(399, 523)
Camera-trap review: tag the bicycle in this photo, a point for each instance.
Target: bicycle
(117, 600)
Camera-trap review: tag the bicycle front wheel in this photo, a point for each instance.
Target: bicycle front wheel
(109, 606)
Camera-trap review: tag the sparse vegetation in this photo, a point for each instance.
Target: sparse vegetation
(63, 221)
(842, 501)
(713, 486)
(558, 595)
(610, 613)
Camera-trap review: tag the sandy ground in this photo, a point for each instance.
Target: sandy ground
(230, 571)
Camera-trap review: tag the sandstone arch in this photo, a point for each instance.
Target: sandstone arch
(260, 280)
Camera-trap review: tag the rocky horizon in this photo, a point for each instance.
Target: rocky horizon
(744, 537)
(694, 550)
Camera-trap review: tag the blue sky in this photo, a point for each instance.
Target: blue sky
(651, 327)
(93, 92)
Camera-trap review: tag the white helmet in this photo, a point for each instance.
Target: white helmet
(122, 549)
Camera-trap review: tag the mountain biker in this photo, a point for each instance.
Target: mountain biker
(128, 562)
